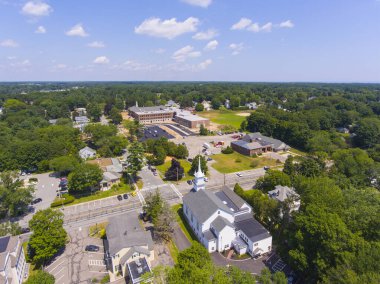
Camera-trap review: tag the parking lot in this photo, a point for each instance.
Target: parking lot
(154, 132)
(75, 265)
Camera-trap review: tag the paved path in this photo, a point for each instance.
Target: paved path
(250, 265)
(180, 239)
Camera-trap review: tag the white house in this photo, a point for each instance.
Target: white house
(227, 104)
(251, 105)
(13, 266)
(285, 193)
(206, 105)
(87, 153)
(222, 220)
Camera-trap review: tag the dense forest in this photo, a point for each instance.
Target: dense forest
(334, 238)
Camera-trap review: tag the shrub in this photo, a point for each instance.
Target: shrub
(238, 160)
(254, 155)
(254, 163)
(227, 150)
(67, 199)
(105, 279)
(33, 179)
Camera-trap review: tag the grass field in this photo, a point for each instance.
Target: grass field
(97, 230)
(229, 163)
(225, 117)
(184, 163)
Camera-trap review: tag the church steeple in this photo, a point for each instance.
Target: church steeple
(137, 104)
(199, 178)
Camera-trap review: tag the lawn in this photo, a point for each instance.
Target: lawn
(225, 117)
(235, 162)
(181, 220)
(123, 188)
(184, 163)
(97, 230)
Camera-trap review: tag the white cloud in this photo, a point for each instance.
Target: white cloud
(267, 27)
(248, 25)
(77, 30)
(138, 66)
(200, 3)
(9, 43)
(101, 60)
(185, 52)
(203, 65)
(207, 35)
(212, 45)
(242, 24)
(287, 24)
(160, 50)
(167, 28)
(96, 44)
(23, 65)
(40, 30)
(60, 66)
(236, 48)
(36, 8)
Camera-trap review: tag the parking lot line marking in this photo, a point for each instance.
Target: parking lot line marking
(56, 281)
(55, 266)
(55, 274)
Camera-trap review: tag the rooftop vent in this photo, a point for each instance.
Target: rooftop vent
(233, 210)
(138, 263)
(139, 270)
(224, 202)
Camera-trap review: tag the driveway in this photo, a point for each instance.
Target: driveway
(180, 239)
(250, 265)
(75, 265)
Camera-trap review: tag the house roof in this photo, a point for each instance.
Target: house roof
(281, 193)
(134, 249)
(110, 176)
(209, 235)
(203, 204)
(250, 145)
(258, 136)
(137, 269)
(87, 149)
(220, 223)
(251, 228)
(125, 231)
(8, 244)
(228, 195)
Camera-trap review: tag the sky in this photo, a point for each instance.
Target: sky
(190, 40)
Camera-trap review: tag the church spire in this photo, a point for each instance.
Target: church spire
(199, 178)
(137, 104)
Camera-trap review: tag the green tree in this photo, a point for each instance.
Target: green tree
(85, 177)
(195, 163)
(203, 131)
(9, 228)
(153, 206)
(48, 237)
(175, 172)
(135, 159)
(279, 278)
(94, 111)
(265, 276)
(14, 196)
(199, 107)
(216, 103)
(40, 277)
(271, 179)
(367, 132)
(181, 152)
(289, 166)
(115, 116)
(159, 155)
(64, 164)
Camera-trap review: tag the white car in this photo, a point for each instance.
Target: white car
(206, 179)
(239, 174)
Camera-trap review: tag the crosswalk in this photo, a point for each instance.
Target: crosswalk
(96, 262)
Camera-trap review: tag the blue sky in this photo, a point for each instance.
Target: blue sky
(218, 40)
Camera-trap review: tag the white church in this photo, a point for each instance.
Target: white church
(223, 220)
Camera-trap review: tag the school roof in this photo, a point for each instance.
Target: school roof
(259, 137)
(148, 110)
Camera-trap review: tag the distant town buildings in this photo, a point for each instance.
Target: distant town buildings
(256, 143)
(222, 220)
(129, 247)
(13, 266)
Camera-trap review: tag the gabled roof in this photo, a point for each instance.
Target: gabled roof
(258, 136)
(281, 193)
(220, 223)
(251, 228)
(249, 145)
(125, 231)
(232, 197)
(87, 149)
(134, 249)
(203, 204)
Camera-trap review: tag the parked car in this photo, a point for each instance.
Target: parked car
(154, 173)
(189, 182)
(37, 200)
(125, 196)
(209, 159)
(239, 174)
(206, 179)
(119, 197)
(25, 230)
(92, 248)
(190, 160)
(266, 168)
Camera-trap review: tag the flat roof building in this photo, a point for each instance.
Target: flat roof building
(186, 118)
(151, 115)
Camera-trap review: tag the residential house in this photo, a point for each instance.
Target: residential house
(256, 143)
(251, 105)
(286, 194)
(343, 130)
(172, 103)
(13, 266)
(112, 171)
(87, 153)
(227, 104)
(129, 247)
(206, 105)
(80, 122)
(222, 220)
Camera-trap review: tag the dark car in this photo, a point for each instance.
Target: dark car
(92, 248)
(119, 197)
(25, 230)
(209, 159)
(125, 196)
(266, 168)
(37, 200)
(190, 160)
(189, 182)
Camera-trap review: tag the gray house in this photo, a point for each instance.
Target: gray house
(87, 153)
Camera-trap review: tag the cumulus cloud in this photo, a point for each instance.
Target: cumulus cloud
(236, 48)
(248, 25)
(184, 53)
(96, 44)
(203, 65)
(77, 30)
(206, 35)
(101, 60)
(212, 45)
(9, 43)
(40, 30)
(36, 8)
(169, 29)
(287, 24)
(242, 24)
(138, 66)
(200, 3)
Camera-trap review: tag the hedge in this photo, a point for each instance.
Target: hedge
(67, 200)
